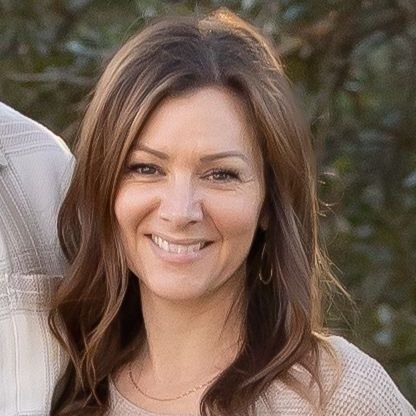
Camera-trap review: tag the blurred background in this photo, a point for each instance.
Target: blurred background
(352, 62)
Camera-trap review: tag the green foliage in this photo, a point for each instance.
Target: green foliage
(351, 61)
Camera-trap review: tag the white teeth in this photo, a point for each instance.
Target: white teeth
(176, 248)
(165, 245)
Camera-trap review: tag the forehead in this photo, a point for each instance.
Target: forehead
(207, 120)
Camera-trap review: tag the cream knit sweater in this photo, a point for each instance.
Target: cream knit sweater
(364, 389)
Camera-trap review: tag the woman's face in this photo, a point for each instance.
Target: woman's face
(189, 204)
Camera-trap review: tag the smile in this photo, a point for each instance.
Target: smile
(170, 247)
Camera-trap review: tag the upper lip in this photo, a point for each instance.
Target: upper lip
(181, 240)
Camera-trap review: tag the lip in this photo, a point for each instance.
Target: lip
(178, 258)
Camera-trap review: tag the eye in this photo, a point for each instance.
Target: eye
(224, 175)
(144, 169)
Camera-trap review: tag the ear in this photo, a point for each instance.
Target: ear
(264, 217)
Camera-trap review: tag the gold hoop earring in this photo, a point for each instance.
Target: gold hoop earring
(261, 278)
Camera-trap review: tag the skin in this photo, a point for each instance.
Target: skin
(181, 195)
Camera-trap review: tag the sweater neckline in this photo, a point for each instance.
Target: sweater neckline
(134, 408)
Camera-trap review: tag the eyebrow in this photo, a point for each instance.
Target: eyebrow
(206, 158)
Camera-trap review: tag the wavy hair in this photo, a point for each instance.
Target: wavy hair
(96, 314)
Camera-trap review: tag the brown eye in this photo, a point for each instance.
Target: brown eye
(144, 169)
(223, 175)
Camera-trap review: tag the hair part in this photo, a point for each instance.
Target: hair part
(96, 314)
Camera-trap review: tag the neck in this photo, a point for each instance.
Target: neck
(189, 342)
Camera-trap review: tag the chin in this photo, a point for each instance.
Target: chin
(175, 291)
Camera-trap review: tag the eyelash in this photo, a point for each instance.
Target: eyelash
(233, 174)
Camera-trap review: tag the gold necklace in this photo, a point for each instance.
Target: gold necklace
(180, 396)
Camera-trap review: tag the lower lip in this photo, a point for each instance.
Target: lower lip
(180, 258)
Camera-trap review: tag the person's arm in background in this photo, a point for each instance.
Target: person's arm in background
(34, 169)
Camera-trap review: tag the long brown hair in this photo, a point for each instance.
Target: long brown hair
(96, 314)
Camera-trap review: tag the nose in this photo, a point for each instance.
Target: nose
(180, 204)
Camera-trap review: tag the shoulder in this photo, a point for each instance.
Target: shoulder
(35, 168)
(354, 384)
(363, 386)
(17, 130)
(33, 161)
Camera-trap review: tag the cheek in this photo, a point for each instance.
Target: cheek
(236, 218)
(123, 208)
(129, 209)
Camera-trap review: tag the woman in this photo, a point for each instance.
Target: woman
(191, 230)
